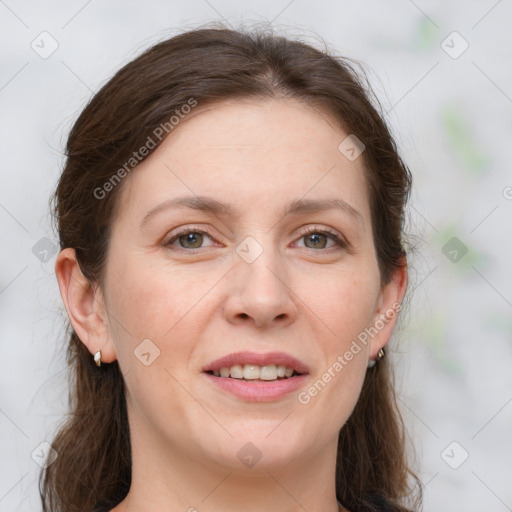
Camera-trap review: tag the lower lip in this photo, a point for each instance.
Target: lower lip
(258, 391)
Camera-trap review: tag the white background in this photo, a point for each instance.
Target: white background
(451, 118)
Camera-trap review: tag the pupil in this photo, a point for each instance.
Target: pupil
(315, 238)
(192, 238)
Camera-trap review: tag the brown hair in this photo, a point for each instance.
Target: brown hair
(210, 65)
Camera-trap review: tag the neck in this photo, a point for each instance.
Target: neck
(170, 477)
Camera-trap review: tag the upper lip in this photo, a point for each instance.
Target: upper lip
(254, 358)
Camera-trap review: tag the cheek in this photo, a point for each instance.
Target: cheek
(344, 310)
(146, 297)
(152, 331)
(138, 302)
(157, 302)
(344, 302)
(142, 304)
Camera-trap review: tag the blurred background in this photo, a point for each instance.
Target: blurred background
(439, 70)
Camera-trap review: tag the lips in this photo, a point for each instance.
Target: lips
(256, 390)
(253, 358)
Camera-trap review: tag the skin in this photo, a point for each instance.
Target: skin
(308, 300)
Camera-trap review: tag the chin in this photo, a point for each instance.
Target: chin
(263, 449)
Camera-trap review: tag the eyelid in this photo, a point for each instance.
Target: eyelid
(184, 230)
(337, 237)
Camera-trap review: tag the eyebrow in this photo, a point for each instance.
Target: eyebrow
(209, 205)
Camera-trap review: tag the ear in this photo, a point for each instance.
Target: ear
(388, 307)
(85, 305)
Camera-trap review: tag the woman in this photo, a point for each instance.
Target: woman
(230, 217)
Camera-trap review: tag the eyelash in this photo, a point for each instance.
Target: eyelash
(333, 235)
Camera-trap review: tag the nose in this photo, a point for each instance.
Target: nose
(260, 293)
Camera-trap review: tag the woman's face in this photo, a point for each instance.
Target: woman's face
(187, 286)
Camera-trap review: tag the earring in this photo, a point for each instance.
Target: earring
(97, 358)
(380, 355)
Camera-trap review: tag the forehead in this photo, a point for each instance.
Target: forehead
(251, 152)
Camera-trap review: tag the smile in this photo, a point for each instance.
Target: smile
(252, 372)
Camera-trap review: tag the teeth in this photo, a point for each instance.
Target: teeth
(268, 372)
(236, 371)
(254, 372)
(251, 372)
